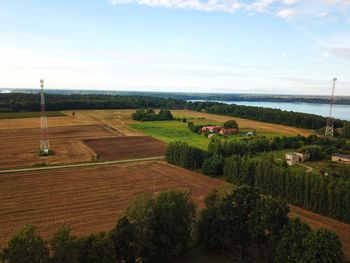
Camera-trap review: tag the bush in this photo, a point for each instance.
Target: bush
(231, 124)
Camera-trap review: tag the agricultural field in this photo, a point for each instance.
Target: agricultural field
(245, 124)
(21, 115)
(126, 147)
(89, 199)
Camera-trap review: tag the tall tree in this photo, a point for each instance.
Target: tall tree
(26, 246)
(63, 246)
(124, 239)
(323, 246)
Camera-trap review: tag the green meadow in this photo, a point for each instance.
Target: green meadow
(170, 131)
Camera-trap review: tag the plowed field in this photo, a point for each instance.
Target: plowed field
(19, 147)
(127, 147)
(88, 199)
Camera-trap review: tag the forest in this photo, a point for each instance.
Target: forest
(160, 229)
(19, 102)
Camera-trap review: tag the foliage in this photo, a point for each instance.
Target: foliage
(224, 222)
(150, 115)
(175, 214)
(26, 246)
(213, 166)
(346, 130)
(323, 246)
(291, 246)
(163, 226)
(324, 195)
(124, 239)
(231, 124)
(63, 246)
(96, 249)
(315, 152)
(186, 156)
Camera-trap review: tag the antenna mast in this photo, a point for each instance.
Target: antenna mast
(44, 142)
(330, 120)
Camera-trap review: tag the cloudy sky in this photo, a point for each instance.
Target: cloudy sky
(256, 46)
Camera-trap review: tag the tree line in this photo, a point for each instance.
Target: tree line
(237, 162)
(158, 229)
(314, 192)
(150, 115)
(16, 102)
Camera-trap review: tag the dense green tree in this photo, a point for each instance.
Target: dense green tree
(213, 166)
(230, 124)
(224, 222)
(63, 246)
(175, 215)
(322, 246)
(124, 239)
(291, 246)
(26, 246)
(315, 152)
(180, 153)
(140, 213)
(268, 219)
(96, 249)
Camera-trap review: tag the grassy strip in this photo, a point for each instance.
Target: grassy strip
(36, 114)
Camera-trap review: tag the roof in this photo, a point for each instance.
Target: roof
(342, 155)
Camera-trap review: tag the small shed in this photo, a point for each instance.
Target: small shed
(303, 156)
(341, 158)
(292, 158)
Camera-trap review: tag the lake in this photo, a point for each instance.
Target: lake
(339, 111)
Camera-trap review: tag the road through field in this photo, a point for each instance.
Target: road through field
(77, 165)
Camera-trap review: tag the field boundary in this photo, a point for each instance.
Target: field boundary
(77, 165)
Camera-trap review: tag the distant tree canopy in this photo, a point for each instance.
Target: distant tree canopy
(231, 124)
(16, 102)
(151, 115)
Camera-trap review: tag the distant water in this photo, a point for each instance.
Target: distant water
(339, 111)
(5, 91)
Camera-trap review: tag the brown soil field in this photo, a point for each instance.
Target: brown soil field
(126, 147)
(19, 147)
(244, 123)
(88, 199)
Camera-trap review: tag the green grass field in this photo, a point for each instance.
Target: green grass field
(170, 131)
(18, 115)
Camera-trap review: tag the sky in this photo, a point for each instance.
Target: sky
(221, 46)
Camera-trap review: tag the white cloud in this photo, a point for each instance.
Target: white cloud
(285, 9)
(286, 13)
(210, 5)
(290, 2)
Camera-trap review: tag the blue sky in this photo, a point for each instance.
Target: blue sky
(257, 46)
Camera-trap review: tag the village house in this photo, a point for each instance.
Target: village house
(211, 129)
(341, 158)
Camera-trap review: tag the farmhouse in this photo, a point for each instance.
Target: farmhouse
(341, 158)
(211, 129)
